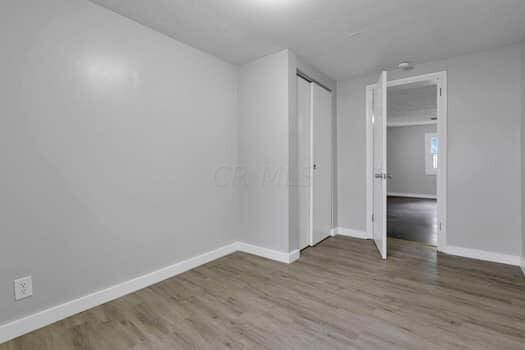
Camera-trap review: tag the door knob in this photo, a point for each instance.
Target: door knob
(315, 166)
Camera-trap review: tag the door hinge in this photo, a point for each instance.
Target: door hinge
(440, 92)
(440, 226)
(372, 217)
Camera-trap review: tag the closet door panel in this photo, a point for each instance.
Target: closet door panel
(321, 110)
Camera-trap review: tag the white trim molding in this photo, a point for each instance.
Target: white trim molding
(482, 255)
(409, 123)
(43, 318)
(350, 233)
(276, 255)
(54, 314)
(412, 195)
(523, 265)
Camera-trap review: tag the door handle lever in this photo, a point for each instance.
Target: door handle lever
(383, 176)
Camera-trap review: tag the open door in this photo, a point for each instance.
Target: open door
(321, 120)
(379, 112)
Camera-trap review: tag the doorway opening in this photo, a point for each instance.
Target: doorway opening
(412, 162)
(407, 160)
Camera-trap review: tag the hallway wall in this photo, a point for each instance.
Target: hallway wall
(406, 160)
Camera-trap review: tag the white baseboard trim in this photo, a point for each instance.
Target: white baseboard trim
(482, 255)
(54, 314)
(350, 233)
(410, 123)
(523, 266)
(412, 195)
(269, 253)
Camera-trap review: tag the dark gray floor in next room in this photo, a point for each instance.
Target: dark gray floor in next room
(412, 219)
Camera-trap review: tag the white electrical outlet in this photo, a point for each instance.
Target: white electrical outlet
(23, 287)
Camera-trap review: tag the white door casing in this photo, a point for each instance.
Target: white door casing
(439, 79)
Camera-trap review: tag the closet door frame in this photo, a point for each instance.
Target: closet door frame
(307, 216)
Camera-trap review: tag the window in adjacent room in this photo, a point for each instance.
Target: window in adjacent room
(431, 153)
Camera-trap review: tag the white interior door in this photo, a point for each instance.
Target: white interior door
(379, 113)
(321, 116)
(304, 141)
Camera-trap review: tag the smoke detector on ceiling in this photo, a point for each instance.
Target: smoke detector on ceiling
(405, 66)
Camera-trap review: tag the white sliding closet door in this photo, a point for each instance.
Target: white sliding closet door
(321, 116)
(304, 129)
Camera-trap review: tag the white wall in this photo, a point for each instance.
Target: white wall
(484, 205)
(264, 151)
(406, 160)
(351, 153)
(110, 138)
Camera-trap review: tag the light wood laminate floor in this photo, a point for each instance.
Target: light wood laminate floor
(339, 295)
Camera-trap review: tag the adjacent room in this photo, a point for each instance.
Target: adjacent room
(412, 162)
(262, 174)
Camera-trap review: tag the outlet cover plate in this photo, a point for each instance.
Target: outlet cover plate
(23, 288)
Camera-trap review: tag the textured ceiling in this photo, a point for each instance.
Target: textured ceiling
(413, 104)
(342, 38)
